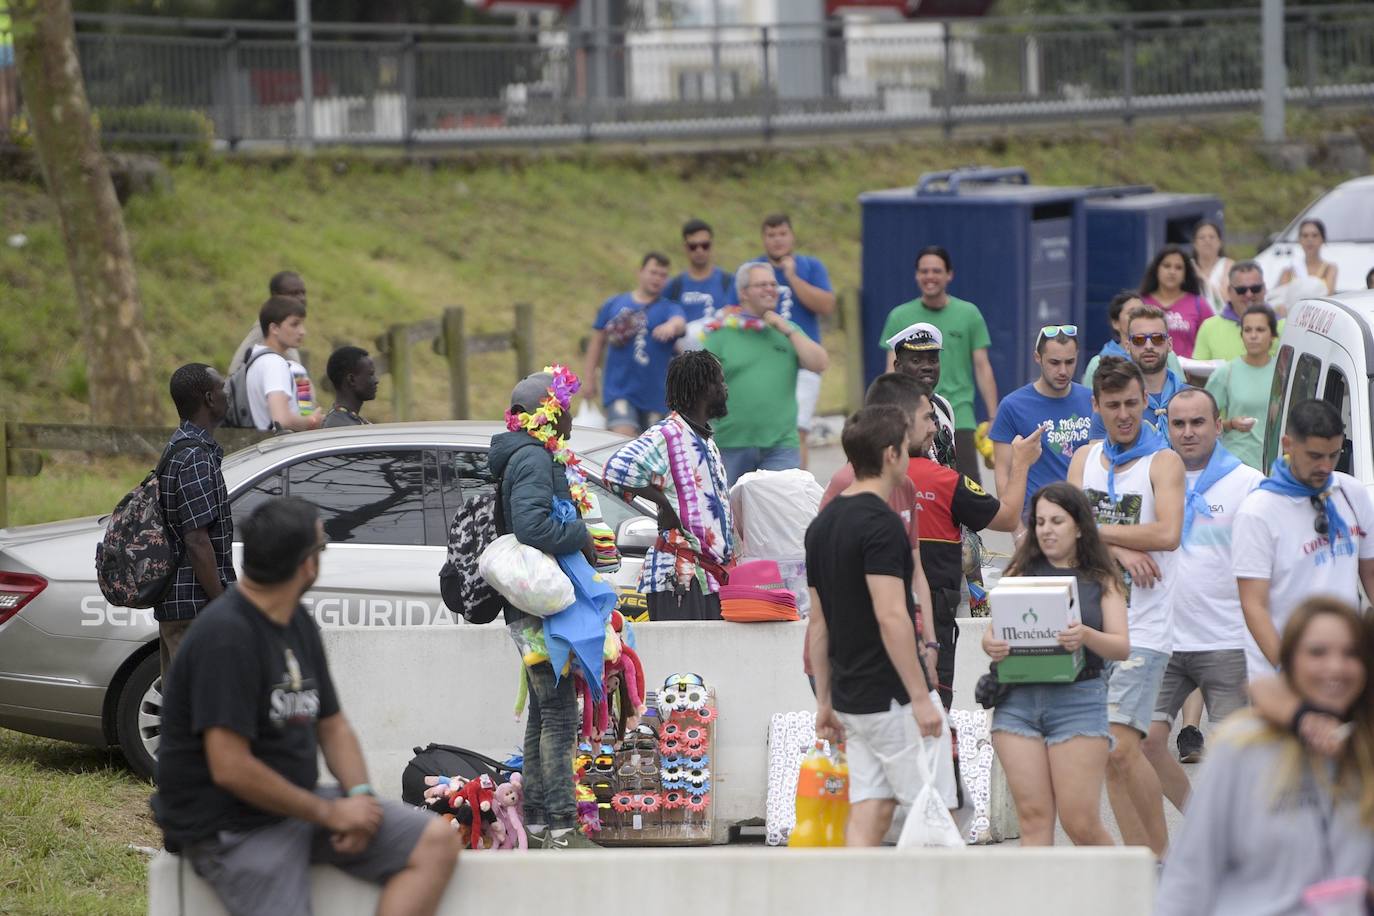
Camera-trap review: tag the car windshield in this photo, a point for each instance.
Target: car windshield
(1348, 215)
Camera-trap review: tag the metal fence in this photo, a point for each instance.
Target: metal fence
(243, 82)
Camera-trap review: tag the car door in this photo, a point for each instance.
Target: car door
(382, 564)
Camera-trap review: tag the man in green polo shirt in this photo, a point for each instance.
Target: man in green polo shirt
(760, 352)
(964, 359)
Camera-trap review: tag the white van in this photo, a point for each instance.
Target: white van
(1327, 351)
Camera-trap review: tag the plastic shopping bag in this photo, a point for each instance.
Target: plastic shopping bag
(589, 415)
(928, 822)
(529, 579)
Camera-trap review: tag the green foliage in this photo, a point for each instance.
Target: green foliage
(155, 127)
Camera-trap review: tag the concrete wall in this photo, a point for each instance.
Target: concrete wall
(403, 687)
(748, 881)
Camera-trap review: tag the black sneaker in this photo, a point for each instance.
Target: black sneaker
(1190, 743)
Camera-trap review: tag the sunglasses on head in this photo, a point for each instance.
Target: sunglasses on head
(1321, 524)
(1249, 290)
(698, 246)
(1055, 330)
(1157, 339)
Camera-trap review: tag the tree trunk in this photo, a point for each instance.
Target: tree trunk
(78, 180)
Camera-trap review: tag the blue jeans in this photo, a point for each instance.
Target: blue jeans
(740, 461)
(1054, 712)
(550, 737)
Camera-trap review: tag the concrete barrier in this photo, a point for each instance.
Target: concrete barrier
(402, 687)
(739, 881)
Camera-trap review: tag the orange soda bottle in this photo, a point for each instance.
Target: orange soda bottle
(822, 800)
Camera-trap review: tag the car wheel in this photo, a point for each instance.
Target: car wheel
(138, 718)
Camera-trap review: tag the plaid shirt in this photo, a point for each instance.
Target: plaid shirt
(194, 496)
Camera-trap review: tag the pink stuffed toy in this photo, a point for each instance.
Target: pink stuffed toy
(508, 802)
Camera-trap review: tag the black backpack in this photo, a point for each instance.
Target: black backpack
(446, 760)
(475, 525)
(135, 562)
(239, 414)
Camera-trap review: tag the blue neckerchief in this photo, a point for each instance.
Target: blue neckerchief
(1147, 442)
(1219, 465)
(1282, 481)
(579, 630)
(1159, 403)
(1113, 348)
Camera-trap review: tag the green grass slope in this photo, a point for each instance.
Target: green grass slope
(380, 240)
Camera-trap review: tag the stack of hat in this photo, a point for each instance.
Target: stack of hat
(756, 594)
(607, 555)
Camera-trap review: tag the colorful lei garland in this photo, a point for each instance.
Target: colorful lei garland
(540, 425)
(735, 317)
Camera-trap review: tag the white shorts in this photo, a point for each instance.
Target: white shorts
(878, 768)
(808, 393)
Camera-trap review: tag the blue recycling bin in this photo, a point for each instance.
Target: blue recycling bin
(1018, 251)
(1126, 228)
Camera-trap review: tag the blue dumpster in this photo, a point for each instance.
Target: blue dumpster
(1018, 251)
(1126, 228)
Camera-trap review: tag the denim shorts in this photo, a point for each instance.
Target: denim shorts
(1133, 688)
(621, 412)
(1055, 712)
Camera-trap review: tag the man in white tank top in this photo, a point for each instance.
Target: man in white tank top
(1136, 486)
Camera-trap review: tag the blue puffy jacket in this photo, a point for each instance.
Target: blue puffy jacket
(530, 481)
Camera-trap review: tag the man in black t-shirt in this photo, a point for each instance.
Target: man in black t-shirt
(248, 705)
(871, 690)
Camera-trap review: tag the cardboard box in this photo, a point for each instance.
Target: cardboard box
(1029, 612)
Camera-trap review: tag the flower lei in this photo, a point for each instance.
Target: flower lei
(735, 317)
(540, 425)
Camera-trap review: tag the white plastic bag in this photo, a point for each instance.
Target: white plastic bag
(589, 415)
(528, 578)
(772, 510)
(928, 821)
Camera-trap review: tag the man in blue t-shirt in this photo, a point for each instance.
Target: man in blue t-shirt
(1053, 405)
(804, 294)
(703, 288)
(636, 331)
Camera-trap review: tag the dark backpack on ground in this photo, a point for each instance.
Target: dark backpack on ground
(135, 562)
(446, 760)
(475, 525)
(239, 414)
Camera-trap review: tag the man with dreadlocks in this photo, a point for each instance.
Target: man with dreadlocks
(675, 464)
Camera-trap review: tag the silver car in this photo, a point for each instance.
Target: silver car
(75, 668)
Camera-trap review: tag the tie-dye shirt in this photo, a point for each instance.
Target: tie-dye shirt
(671, 456)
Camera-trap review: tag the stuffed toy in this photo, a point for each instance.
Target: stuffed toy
(508, 801)
(478, 794)
(622, 675)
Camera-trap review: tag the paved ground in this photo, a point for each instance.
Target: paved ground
(827, 459)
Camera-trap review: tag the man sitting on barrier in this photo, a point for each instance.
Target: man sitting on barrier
(248, 705)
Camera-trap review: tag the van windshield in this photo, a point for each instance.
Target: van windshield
(1347, 214)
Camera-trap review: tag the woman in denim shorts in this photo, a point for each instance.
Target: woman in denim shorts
(1053, 739)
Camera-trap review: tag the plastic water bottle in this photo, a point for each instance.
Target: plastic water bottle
(822, 799)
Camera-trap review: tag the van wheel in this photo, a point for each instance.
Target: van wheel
(138, 717)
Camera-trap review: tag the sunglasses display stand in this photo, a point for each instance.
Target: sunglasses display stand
(669, 807)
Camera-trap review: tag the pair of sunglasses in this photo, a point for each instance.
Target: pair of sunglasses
(627, 801)
(1056, 330)
(1249, 290)
(1157, 339)
(1321, 524)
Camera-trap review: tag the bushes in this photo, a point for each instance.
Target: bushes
(154, 127)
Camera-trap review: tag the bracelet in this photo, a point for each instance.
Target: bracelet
(361, 788)
(1303, 709)
(933, 645)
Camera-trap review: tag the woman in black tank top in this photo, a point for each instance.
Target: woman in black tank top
(1053, 739)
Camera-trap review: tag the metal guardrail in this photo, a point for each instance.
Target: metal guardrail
(474, 85)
